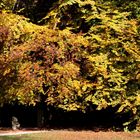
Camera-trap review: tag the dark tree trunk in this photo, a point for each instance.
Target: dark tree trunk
(40, 116)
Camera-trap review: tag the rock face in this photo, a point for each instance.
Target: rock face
(15, 123)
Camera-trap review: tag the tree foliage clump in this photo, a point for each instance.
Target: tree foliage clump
(86, 54)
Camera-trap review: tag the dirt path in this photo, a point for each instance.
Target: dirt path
(71, 135)
(13, 133)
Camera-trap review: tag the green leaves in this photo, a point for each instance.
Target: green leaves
(6, 4)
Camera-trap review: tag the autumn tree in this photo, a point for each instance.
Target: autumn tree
(85, 54)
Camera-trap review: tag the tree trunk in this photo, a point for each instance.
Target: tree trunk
(40, 116)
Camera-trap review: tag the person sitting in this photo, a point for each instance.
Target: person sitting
(15, 123)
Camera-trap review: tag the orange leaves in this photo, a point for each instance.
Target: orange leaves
(45, 58)
(24, 71)
(4, 31)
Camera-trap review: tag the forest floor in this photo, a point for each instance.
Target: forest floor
(35, 134)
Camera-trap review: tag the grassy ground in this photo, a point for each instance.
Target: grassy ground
(74, 135)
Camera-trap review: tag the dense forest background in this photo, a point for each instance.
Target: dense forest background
(72, 55)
